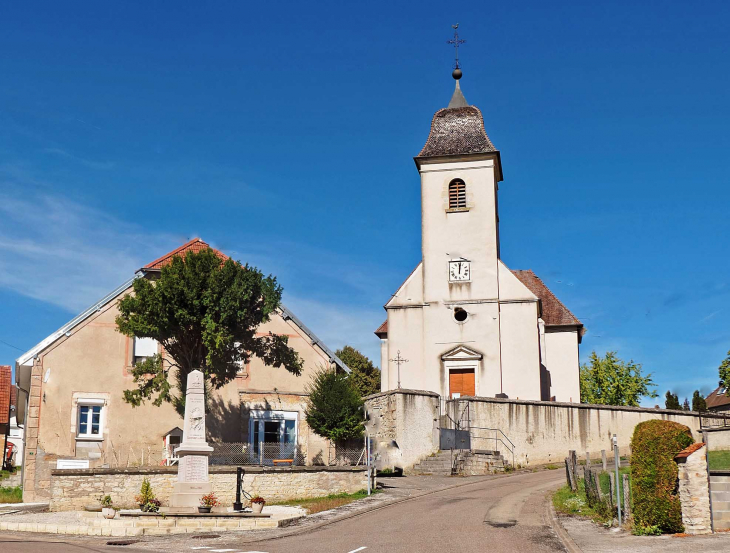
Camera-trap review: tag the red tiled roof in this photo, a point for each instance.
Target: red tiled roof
(5, 391)
(195, 245)
(686, 452)
(716, 399)
(554, 313)
(382, 330)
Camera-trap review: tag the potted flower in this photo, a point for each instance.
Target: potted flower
(107, 510)
(257, 504)
(207, 502)
(148, 503)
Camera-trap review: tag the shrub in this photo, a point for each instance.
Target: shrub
(146, 495)
(654, 474)
(106, 501)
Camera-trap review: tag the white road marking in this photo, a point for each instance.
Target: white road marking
(224, 550)
(201, 547)
(358, 549)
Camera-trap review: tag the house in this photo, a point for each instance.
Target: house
(11, 435)
(718, 401)
(463, 323)
(72, 384)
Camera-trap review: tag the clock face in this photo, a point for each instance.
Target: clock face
(459, 271)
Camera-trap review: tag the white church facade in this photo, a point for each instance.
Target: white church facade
(466, 324)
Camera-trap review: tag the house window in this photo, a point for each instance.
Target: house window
(457, 194)
(273, 435)
(144, 348)
(90, 420)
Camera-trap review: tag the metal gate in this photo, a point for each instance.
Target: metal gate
(454, 425)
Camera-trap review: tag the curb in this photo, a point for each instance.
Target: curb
(563, 536)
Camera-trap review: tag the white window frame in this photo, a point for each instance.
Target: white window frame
(148, 343)
(258, 416)
(90, 402)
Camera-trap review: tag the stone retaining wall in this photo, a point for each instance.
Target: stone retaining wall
(720, 493)
(73, 490)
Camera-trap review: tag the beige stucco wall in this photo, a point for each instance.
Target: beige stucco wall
(717, 439)
(561, 360)
(403, 426)
(544, 432)
(94, 362)
(73, 490)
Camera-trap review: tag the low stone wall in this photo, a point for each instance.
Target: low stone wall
(720, 494)
(405, 426)
(544, 431)
(73, 490)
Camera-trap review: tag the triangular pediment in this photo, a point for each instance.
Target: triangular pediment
(461, 353)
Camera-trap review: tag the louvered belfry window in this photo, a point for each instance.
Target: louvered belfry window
(457, 194)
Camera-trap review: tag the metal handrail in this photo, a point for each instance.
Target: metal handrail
(496, 439)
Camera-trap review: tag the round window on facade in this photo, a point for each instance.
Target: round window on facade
(460, 315)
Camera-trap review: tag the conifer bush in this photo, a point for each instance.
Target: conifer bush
(654, 474)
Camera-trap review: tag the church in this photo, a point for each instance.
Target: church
(463, 323)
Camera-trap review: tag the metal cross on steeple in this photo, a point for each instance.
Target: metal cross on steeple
(456, 41)
(398, 360)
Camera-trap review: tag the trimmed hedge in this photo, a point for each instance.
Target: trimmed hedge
(654, 474)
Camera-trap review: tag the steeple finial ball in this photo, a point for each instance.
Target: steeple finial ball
(456, 74)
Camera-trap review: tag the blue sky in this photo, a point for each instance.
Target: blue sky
(283, 134)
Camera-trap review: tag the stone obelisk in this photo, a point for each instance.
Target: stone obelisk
(192, 471)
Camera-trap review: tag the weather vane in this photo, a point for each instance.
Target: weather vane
(456, 41)
(398, 360)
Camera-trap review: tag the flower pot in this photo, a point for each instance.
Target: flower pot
(108, 512)
(204, 509)
(257, 507)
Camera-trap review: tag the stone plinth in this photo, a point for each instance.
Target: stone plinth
(694, 493)
(192, 476)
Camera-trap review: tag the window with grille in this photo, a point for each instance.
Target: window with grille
(457, 194)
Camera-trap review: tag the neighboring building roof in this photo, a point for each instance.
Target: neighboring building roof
(5, 394)
(554, 313)
(718, 398)
(195, 245)
(382, 331)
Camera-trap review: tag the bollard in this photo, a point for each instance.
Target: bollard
(238, 506)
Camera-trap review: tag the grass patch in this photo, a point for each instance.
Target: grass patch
(552, 467)
(7, 473)
(11, 495)
(327, 502)
(719, 460)
(572, 503)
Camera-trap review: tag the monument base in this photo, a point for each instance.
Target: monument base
(188, 494)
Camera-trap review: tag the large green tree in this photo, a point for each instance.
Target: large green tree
(334, 407)
(611, 381)
(671, 401)
(205, 312)
(365, 376)
(698, 401)
(724, 371)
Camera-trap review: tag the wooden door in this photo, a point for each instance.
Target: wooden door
(461, 381)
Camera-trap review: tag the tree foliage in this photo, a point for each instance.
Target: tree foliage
(654, 474)
(698, 401)
(671, 401)
(612, 381)
(205, 313)
(365, 376)
(724, 372)
(334, 407)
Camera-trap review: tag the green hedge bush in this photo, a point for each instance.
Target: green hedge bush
(654, 474)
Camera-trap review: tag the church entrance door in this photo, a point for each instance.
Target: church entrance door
(461, 383)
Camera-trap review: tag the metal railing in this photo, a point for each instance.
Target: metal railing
(263, 454)
(479, 435)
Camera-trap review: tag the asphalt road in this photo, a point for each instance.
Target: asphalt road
(501, 514)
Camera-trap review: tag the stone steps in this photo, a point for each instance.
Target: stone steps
(462, 462)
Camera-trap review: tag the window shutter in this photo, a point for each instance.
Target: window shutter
(145, 347)
(457, 194)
